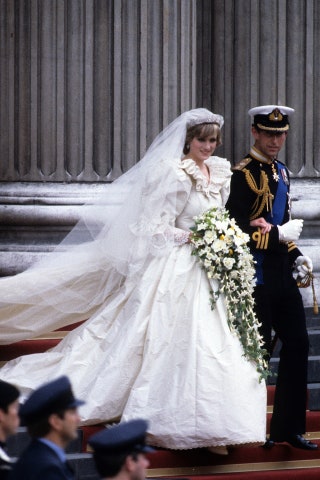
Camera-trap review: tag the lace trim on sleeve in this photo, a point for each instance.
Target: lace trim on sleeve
(180, 236)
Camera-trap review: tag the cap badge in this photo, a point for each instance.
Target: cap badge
(275, 115)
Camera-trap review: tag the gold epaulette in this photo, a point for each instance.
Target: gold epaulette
(243, 163)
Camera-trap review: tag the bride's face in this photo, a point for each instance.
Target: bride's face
(202, 148)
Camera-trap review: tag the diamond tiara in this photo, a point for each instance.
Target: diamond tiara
(212, 118)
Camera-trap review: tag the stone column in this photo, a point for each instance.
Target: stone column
(86, 85)
(257, 52)
(84, 88)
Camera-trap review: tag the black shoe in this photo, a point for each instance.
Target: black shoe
(298, 441)
(268, 444)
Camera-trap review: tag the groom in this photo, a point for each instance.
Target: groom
(260, 203)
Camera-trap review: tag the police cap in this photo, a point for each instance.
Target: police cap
(125, 437)
(49, 398)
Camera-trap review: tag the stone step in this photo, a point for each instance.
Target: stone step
(313, 380)
(17, 443)
(313, 324)
(314, 344)
(314, 396)
(199, 462)
(244, 460)
(314, 341)
(83, 466)
(313, 320)
(313, 369)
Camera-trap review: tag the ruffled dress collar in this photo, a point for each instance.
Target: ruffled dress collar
(220, 173)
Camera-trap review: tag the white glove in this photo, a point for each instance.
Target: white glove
(303, 265)
(290, 231)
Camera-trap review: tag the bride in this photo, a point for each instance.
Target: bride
(150, 346)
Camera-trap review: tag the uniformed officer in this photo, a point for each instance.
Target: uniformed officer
(119, 451)
(9, 423)
(52, 419)
(260, 203)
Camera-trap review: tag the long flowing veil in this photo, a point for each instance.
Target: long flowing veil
(104, 248)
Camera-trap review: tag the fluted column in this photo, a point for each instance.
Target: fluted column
(256, 52)
(87, 84)
(264, 52)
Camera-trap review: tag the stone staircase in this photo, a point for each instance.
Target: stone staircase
(282, 462)
(313, 323)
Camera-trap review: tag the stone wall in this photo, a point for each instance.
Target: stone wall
(86, 85)
(260, 52)
(306, 205)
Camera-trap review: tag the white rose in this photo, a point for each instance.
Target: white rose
(218, 245)
(228, 263)
(208, 236)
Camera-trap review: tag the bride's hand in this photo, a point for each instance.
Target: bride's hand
(262, 224)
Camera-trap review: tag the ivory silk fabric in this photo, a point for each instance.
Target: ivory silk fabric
(153, 348)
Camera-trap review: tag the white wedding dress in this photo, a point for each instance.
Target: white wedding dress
(153, 348)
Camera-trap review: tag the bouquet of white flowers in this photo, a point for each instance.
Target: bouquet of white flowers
(222, 250)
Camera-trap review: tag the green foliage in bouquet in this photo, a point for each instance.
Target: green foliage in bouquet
(222, 250)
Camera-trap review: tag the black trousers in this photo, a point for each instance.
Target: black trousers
(279, 306)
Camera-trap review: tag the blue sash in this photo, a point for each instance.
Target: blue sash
(280, 201)
(275, 217)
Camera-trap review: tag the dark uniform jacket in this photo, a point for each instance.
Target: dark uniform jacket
(40, 462)
(5, 463)
(260, 188)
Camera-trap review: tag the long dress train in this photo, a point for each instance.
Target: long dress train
(153, 348)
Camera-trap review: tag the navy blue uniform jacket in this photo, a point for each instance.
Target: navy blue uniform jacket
(40, 462)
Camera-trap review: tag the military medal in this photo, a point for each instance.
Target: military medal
(284, 176)
(274, 172)
(289, 205)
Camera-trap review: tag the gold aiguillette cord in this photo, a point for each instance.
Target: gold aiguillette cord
(306, 281)
(315, 303)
